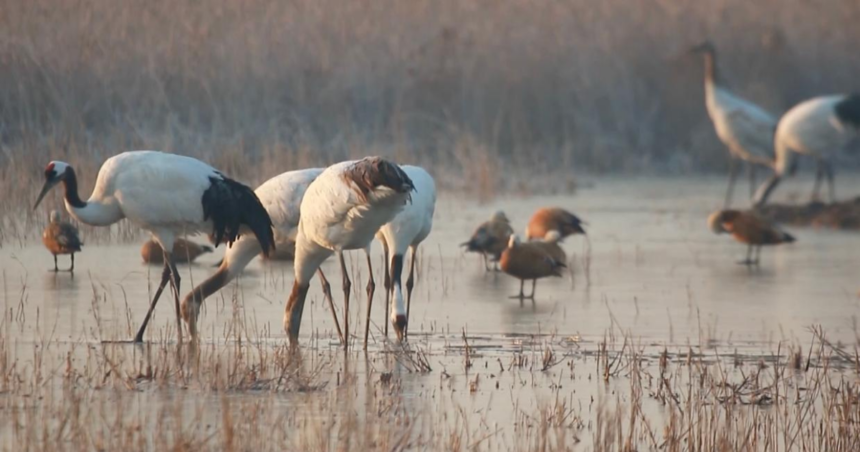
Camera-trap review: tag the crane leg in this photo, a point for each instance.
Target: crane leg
(410, 283)
(831, 186)
(819, 174)
(733, 173)
(165, 277)
(168, 257)
(72, 268)
(752, 170)
(347, 286)
(326, 288)
(56, 268)
(534, 284)
(371, 287)
(386, 281)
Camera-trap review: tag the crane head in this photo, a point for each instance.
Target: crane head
(705, 47)
(55, 172)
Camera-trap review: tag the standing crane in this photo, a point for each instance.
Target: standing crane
(282, 197)
(405, 232)
(60, 237)
(342, 210)
(168, 195)
(745, 128)
(819, 127)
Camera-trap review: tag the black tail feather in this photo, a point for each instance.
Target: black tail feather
(230, 205)
(848, 110)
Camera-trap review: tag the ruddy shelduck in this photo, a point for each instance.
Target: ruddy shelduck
(491, 239)
(750, 228)
(184, 251)
(60, 237)
(531, 260)
(553, 219)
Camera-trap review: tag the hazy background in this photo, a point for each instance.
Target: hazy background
(478, 87)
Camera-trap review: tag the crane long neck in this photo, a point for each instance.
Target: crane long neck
(712, 76)
(70, 181)
(94, 213)
(235, 260)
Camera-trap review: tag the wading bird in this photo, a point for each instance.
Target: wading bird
(750, 228)
(168, 195)
(405, 232)
(530, 260)
(745, 128)
(282, 197)
(819, 127)
(60, 237)
(491, 238)
(184, 251)
(342, 210)
(553, 219)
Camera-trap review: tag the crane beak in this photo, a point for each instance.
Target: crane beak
(49, 184)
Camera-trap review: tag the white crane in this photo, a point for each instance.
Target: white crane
(819, 127)
(744, 127)
(342, 210)
(405, 232)
(282, 198)
(169, 195)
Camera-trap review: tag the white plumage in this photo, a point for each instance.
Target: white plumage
(745, 128)
(168, 195)
(282, 198)
(819, 127)
(405, 232)
(342, 210)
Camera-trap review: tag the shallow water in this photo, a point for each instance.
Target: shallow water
(654, 269)
(650, 270)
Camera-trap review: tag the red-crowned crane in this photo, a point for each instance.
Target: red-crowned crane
(342, 210)
(405, 232)
(168, 195)
(282, 197)
(819, 127)
(61, 237)
(744, 127)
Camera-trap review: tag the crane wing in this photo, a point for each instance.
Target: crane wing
(753, 130)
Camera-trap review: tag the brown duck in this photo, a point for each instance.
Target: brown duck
(60, 237)
(490, 238)
(750, 228)
(553, 219)
(184, 251)
(531, 260)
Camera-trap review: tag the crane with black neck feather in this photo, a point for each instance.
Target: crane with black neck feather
(170, 196)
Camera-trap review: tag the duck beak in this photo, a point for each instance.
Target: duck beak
(49, 184)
